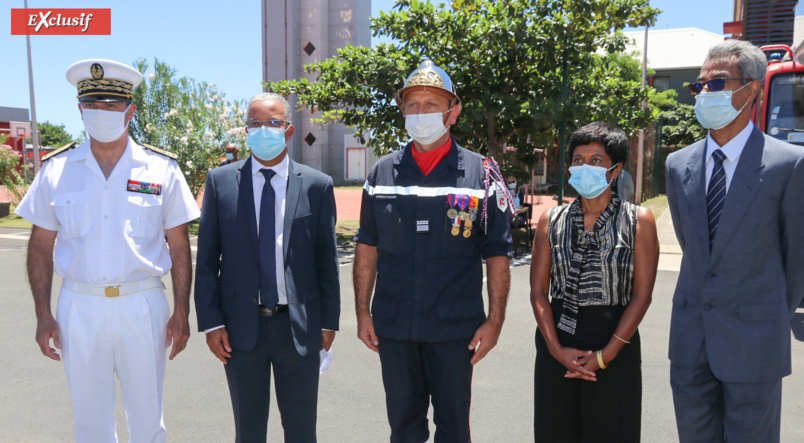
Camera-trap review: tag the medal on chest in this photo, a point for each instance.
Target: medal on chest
(462, 208)
(471, 216)
(463, 204)
(452, 214)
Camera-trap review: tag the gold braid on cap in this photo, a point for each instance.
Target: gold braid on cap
(105, 86)
(426, 77)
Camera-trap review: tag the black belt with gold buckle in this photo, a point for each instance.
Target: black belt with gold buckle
(278, 309)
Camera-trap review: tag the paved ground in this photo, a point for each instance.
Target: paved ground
(348, 203)
(35, 400)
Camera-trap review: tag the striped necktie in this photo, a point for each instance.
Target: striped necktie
(716, 194)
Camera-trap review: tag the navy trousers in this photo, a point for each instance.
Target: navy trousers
(414, 374)
(710, 410)
(296, 378)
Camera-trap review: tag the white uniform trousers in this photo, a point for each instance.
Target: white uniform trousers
(123, 335)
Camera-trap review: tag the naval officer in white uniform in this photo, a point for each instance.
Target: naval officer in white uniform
(120, 212)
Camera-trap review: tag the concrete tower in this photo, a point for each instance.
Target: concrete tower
(299, 32)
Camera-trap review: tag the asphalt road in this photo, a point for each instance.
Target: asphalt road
(35, 400)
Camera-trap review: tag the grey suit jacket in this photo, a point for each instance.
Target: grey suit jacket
(738, 299)
(227, 271)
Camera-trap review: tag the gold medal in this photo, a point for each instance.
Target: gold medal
(467, 230)
(456, 226)
(463, 215)
(452, 213)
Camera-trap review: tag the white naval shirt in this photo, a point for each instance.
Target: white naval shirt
(106, 234)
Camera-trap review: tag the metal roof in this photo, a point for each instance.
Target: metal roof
(13, 114)
(683, 48)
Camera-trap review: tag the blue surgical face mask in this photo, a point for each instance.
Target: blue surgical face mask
(229, 156)
(714, 109)
(590, 181)
(266, 143)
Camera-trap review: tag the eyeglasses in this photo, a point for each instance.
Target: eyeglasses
(256, 124)
(714, 85)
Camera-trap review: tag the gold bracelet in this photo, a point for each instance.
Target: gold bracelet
(600, 359)
(618, 338)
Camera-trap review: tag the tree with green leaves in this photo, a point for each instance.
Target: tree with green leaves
(630, 68)
(507, 59)
(681, 127)
(53, 136)
(191, 119)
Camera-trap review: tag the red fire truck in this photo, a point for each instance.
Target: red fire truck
(780, 109)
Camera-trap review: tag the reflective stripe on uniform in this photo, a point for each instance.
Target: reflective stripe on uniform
(423, 191)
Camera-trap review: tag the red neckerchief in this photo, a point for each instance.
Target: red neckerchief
(427, 161)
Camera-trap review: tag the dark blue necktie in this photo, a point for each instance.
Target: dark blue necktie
(267, 243)
(716, 194)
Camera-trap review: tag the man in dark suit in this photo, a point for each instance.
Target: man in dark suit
(737, 202)
(266, 289)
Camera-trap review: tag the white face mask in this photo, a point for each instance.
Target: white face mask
(426, 128)
(105, 126)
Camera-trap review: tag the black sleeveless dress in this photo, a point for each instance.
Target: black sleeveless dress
(588, 302)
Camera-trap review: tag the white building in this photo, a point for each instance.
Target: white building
(300, 32)
(675, 54)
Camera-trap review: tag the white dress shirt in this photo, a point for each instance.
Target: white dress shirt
(733, 149)
(280, 184)
(108, 235)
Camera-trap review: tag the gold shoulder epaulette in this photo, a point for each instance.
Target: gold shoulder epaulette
(56, 152)
(161, 151)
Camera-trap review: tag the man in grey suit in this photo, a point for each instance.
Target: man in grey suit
(737, 202)
(266, 289)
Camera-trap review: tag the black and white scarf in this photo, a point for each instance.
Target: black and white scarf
(585, 276)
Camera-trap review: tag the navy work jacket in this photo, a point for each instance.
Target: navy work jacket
(429, 282)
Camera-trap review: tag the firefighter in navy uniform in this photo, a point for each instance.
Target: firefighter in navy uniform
(430, 213)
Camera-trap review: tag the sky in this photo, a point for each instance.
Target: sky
(202, 39)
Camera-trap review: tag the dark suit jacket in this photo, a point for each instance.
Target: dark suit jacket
(227, 272)
(738, 299)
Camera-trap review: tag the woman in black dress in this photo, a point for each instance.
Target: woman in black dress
(592, 274)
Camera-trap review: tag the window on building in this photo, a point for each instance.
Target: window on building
(661, 83)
